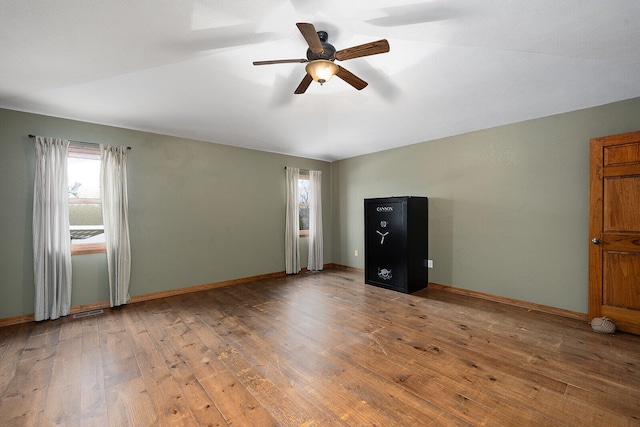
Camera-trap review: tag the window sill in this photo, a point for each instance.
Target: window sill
(88, 248)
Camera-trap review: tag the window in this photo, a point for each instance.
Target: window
(303, 202)
(85, 204)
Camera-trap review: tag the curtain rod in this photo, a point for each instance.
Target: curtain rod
(305, 170)
(78, 142)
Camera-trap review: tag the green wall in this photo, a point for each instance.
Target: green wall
(509, 206)
(199, 212)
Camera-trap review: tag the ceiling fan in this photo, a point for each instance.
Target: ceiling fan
(321, 56)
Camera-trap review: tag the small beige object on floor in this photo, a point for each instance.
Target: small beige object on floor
(603, 325)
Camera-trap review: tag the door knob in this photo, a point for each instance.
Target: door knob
(595, 241)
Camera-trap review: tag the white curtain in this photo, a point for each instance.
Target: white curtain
(315, 260)
(115, 213)
(51, 236)
(292, 223)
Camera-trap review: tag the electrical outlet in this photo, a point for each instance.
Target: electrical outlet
(355, 252)
(430, 263)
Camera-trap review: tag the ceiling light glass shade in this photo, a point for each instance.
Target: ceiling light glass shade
(321, 70)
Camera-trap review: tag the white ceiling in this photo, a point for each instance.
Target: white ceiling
(184, 67)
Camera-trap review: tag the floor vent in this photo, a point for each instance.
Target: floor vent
(88, 313)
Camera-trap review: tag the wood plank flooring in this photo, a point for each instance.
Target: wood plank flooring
(317, 349)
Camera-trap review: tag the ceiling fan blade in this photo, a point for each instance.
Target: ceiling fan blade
(373, 48)
(351, 78)
(304, 84)
(311, 36)
(280, 61)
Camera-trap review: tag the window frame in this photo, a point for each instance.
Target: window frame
(85, 151)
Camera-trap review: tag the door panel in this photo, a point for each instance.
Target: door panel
(622, 204)
(621, 272)
(614, 254)
(622, 154)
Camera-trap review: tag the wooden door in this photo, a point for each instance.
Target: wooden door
(614, 254)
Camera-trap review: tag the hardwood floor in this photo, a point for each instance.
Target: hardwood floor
(317, 349)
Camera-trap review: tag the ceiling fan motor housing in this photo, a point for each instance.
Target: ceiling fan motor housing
(328, 51)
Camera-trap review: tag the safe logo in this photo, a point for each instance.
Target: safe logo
(384, 273)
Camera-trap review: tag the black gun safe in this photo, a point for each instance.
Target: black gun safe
(396, 243)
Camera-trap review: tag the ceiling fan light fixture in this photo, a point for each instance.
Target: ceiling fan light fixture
(321, 70)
